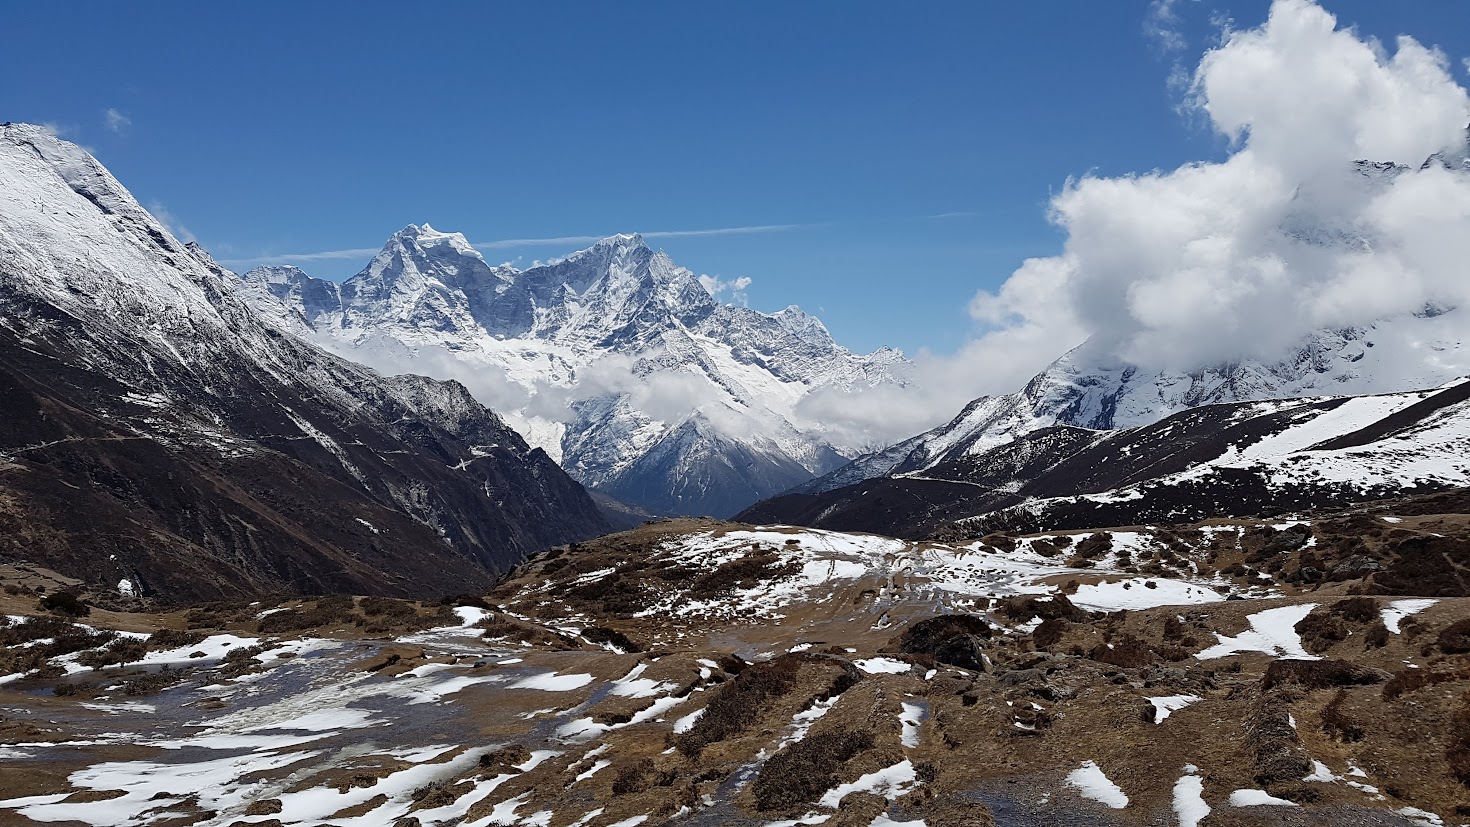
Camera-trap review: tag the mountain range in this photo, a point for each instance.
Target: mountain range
(157, 435)
(615, 360)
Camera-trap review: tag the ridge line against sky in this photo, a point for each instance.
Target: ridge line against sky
(515, 243)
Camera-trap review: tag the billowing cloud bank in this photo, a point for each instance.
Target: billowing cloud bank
(1213, 262)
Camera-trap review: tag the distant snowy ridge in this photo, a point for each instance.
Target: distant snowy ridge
(615, 360)
(1086, 389)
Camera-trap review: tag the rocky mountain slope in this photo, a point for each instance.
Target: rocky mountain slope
(1301, 671)
(623, 367)
(1237, 459)
(158, 437)
(1087, 389)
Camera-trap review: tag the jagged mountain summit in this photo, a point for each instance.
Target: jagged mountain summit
(157, 433)
(616, 360)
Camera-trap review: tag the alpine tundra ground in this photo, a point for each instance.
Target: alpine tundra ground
(1304, 671)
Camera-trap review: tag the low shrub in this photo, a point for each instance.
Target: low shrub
(173, 638)
(1318, 674)
(739, 702)
(601, 634)
(1457, 753)
(1020, 608)
(1454, 639)
(1356, 609)
(954, 639)
(121, 650)
(1321, 631)
(1336, 725)
(1128, 653)
(65, 603)
(1405, 681)
(801, 773)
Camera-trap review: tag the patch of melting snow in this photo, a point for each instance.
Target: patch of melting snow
(911, 718)
(633, 686)
(1091, 783)
(1271, 631)
(598, 766)
(1258, 798)
(884, 821)
(1137, 593)
(1189, 800)
(1320, 772)
(212, 648)
(1420, 817)
(889, 782)
(586, 818)
(882, 666)
(801, 722)
(1168, 704)
(148, 785)
(552, 682)
(120, 707)
(687, 722)
(809, 818)
(1394, 613)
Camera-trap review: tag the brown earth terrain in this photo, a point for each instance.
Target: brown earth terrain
(696, 672)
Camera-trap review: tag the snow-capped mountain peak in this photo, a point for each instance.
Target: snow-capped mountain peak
(655, 370)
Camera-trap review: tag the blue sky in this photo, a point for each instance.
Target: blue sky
(907, 151)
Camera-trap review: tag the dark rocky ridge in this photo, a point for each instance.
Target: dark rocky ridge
(154, 430)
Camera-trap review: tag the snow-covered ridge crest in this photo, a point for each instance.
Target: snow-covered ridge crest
(615, 359)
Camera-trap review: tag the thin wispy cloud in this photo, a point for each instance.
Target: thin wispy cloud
(170, 222)
(287, 258)
(116, 121)
(1162, 25)
(514, 243)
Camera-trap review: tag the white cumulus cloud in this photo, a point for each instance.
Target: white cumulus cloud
(1212, 262)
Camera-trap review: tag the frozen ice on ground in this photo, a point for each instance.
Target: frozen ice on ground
(1258, 798)
(1189, 800)
(889, 782)
(1091, 783)
(1271, 631)
(1168, 704)
(1395, 612)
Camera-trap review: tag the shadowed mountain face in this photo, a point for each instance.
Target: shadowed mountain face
(615, 360)
(155, 432)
